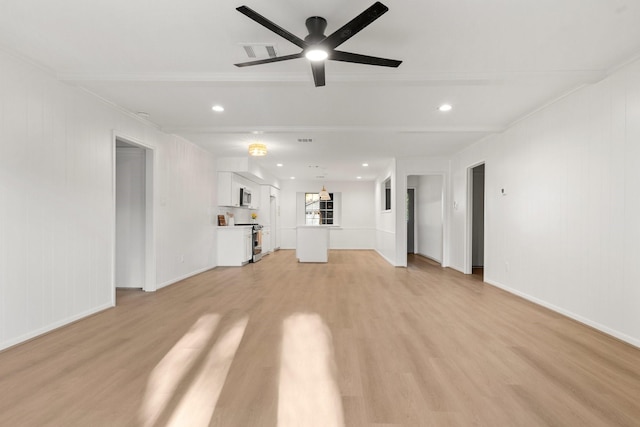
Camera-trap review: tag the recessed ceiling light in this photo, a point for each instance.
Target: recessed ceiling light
(293, 177)
(279, 165)
(358, 177)
(218, 108)
(316, 54)
(445, 107)
(365, 164)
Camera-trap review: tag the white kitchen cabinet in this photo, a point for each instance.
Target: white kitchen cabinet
(270, 214)
(235, 245)
(229, 185)
(228, 189)
(267, 245)
(247, 239)
(275, 221)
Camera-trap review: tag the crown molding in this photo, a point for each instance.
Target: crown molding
(195, 130)
(425, 79)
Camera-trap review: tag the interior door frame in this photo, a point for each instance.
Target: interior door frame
(150, 231)
(401, 231)
(468, 250)
(415, 229)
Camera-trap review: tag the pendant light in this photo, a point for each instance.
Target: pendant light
(324, 194)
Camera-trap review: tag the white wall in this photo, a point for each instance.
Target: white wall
(429, 217)
(357, 224)
(566, 234)
(186, 189)
(57, 202)
(386, 220)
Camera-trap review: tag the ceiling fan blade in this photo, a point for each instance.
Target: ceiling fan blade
(269, 60)
(338, 55)
(317, 67)
(354, 26)
(272, 26)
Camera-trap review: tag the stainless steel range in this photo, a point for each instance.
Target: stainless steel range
(257, 241)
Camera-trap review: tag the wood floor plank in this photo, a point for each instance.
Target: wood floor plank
(415, 346)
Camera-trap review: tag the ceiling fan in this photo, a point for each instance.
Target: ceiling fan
(317, 47)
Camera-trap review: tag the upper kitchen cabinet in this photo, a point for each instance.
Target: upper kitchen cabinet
(228, 190)
(237, 191)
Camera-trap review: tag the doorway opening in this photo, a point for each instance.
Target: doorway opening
(134, 253)
(425, 216)
(411, 223)
(273, 216)
(475, 235)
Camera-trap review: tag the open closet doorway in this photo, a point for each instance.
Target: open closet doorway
(134, 257)
(411, 220)
(425, 216)
(475, 215)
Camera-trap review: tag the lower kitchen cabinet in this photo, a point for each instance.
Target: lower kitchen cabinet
(235, 246)
(267, 245)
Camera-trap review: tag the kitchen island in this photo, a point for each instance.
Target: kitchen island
(312, 243)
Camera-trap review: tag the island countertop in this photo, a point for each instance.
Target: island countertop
(312, 243)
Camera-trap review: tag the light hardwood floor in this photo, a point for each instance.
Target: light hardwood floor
(397, 346)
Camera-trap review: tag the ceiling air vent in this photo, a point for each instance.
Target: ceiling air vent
(259, 50)
(305, 139)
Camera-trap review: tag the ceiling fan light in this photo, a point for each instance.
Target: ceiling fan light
(257, 149)
(316, 54)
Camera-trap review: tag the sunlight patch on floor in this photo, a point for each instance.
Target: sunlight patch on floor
(198, 404)
(173, 367)
(308, 391)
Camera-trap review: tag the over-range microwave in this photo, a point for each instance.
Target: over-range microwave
(245, 197)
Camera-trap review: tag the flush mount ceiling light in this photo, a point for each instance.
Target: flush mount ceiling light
(316, 54)
(324, 194)
(445, 107)
(257, 149)
(218, 108)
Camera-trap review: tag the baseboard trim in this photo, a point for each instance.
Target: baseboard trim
(429, 257)
(385, 258)
(53, 326)
(595, 325)
(186, 276)
(453, 267)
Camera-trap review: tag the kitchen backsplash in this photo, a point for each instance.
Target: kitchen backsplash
(240, 215)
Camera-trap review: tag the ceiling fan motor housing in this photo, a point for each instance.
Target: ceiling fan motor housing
(316, 26)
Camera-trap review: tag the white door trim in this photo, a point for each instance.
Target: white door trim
(150, 231)
(468, 237)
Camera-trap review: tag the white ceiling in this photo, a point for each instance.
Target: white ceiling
(495, 61)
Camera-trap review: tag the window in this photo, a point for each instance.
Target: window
(316, 211)
(386, 194)
(310, 210)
